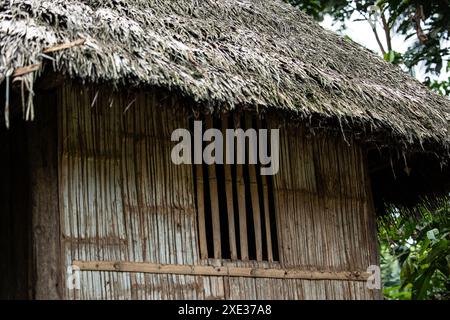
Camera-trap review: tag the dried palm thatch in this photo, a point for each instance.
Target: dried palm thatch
(225, 54)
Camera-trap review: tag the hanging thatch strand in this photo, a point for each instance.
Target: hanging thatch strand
(225, 53)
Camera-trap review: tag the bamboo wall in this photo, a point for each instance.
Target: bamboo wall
(122, 199)
(325, 214)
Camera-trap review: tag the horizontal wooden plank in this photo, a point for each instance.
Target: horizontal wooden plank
(228, 271)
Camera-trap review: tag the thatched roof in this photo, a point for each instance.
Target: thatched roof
(261, 53)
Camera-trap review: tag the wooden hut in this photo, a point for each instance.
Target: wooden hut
(91, 205)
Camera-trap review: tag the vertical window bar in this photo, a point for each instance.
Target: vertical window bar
(215, 213)
(241, 203)
(229, 196)
(201, 211)
(265, 191)
(255, 198)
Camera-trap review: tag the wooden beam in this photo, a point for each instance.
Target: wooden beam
(64, 46)
(24, 70)
(34, 67)
(227, 271)
(201, 211)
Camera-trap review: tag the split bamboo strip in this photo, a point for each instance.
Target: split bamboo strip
(241, 205)
(228, 271)
(63, 46)
(33, 67)
(214, 196)
(201, 211)
(229, 197)
(265, 196)
(255, 200)
(27, 69)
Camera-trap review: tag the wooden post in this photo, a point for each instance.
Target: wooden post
(371, 216)
(42, 150)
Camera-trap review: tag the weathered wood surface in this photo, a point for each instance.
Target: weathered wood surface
(34, 67)
(43, 169)
(241, 204)
(25, 70)
(214, 195)
(224, 271)
(122, 199)
(63, 46)
(229, 199)
(201, 212)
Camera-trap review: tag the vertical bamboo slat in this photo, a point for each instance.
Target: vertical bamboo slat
(213, 191)
(201, 211)
(229, 197)
(255, 201)
(265, 196)
(241, 206)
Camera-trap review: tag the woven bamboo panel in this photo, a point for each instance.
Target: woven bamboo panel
(122, 199)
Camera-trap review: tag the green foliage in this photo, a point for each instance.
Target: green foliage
(441, 87)
(425, 21)
(393, 57)
(415, 255)
(434, 50)
(340, 10)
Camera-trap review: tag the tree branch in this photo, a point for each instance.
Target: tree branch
(383, 51)
(374, 30)
(387, 32)
(418, 17)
